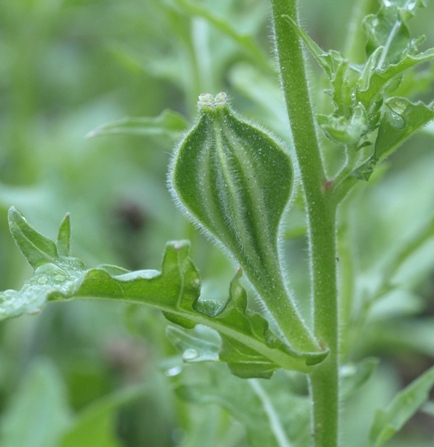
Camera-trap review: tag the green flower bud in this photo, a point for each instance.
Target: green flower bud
(234, 181)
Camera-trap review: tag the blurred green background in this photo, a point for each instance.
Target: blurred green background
(69, 66)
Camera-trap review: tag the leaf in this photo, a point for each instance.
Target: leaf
(343, 131)
(403, 119)
(244, 360)
(270, 417)
(388, 29)
(354, 376)
(168, 123)
(405, 404)
(38, 413)
(377, 80)
(63, 244)
(329, 61)
(244, 41)
(174, 290)
(37, 249)
(200, 344)
(234, 181)
(95, 425)
(334, 65)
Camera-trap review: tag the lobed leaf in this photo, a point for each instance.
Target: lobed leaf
(174, 290)
(405, 404)
(377, 80)
(388, 29)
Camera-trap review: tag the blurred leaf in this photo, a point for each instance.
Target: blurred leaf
(354, 376)
(244, 41)
(38, 413)
(405, 404)
(168, 123)
(200, 344)
(270, 417)
(95, 425)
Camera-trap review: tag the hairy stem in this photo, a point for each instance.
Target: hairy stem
(321, 212)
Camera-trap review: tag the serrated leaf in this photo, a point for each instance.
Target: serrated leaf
(168, 123)
(174, 290)
(270, 417)
(388, 29)
(375, 81)
(402, 120)
(405, 404)
(242, 358)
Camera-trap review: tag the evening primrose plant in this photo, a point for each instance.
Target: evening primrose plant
(257, 347)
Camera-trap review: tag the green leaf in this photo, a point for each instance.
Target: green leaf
(37, 249)
(375, 81)
(95, 425)
(405, 404)
(234, 181)
(388, 29)
(200, 344)
(270, 417)
(168, 123)
(354, 376)
(343, 131)
(244, 41)
(401, 121)
(203, 344)
(330, 61)
(63, 244)
(174, 290)
(38, 413)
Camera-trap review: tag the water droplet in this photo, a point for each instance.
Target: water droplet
(173, 371)
(190, 354)
(396, 120)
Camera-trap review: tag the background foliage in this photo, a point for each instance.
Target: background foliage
(106, 369)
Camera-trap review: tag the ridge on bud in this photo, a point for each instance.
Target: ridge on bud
(234, 181)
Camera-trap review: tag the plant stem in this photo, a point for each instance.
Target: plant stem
(321, 212)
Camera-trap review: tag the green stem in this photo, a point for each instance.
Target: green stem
(321, 212)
